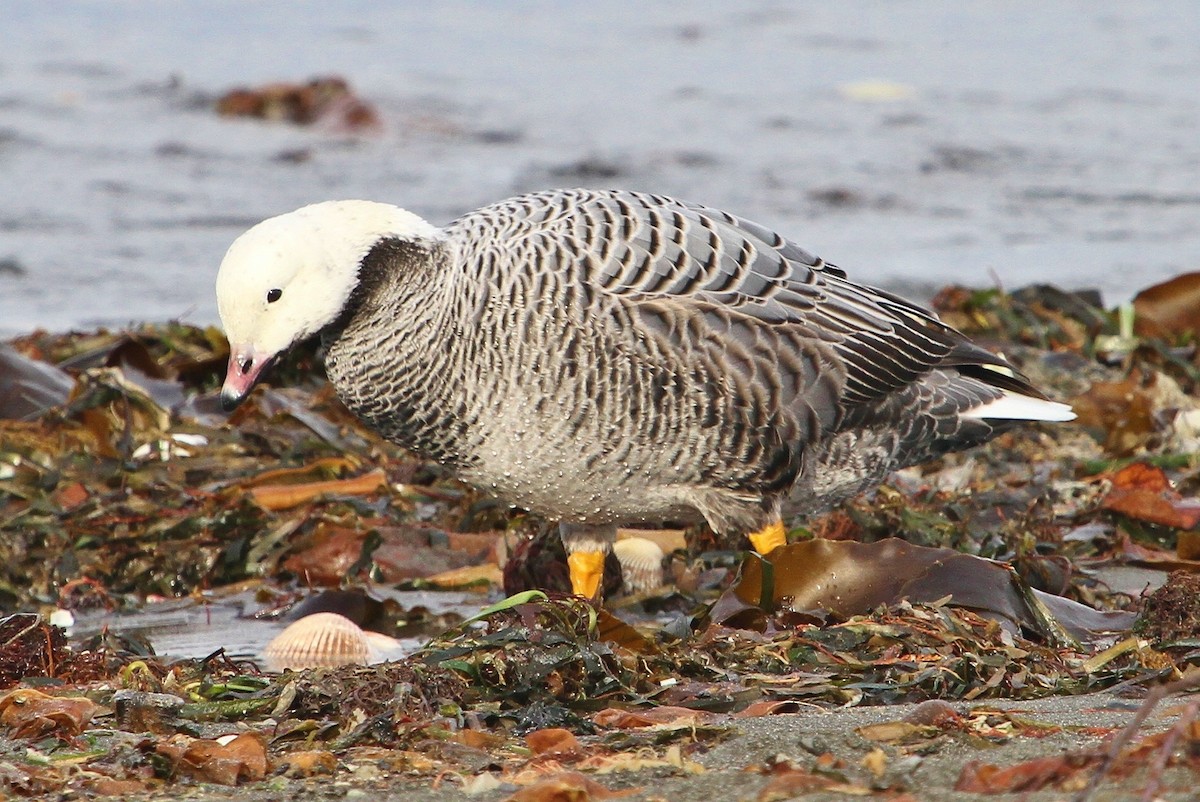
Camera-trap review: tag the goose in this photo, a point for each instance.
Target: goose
(607, 358)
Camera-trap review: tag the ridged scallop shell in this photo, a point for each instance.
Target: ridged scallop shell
(320, 639)
(641, 563)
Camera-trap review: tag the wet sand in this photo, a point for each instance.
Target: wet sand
(733, 770)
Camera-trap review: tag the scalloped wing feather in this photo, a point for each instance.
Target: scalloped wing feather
(672, 259)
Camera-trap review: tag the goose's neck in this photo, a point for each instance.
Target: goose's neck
(390, 356)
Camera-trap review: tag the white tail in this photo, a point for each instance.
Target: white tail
(1014, 406)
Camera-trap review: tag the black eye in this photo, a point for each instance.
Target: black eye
(273, 295)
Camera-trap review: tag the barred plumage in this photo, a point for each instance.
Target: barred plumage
(618, 357)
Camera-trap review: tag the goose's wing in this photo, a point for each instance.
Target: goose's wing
(694, 273)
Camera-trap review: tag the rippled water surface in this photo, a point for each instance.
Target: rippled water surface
(913, 143)
(186, 628)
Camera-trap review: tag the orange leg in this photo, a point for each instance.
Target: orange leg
(587, 545)
(769, 538)
(587, 572)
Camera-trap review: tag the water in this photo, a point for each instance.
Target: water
(913, 143)
(185, 628)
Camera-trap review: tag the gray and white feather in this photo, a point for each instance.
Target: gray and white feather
(616, 357)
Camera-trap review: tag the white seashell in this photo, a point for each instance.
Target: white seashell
(641, 563)
(63, 619)
(320, 639)
(190, 439)
(382, 648)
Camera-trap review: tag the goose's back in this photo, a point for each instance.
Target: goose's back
(617, 356)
